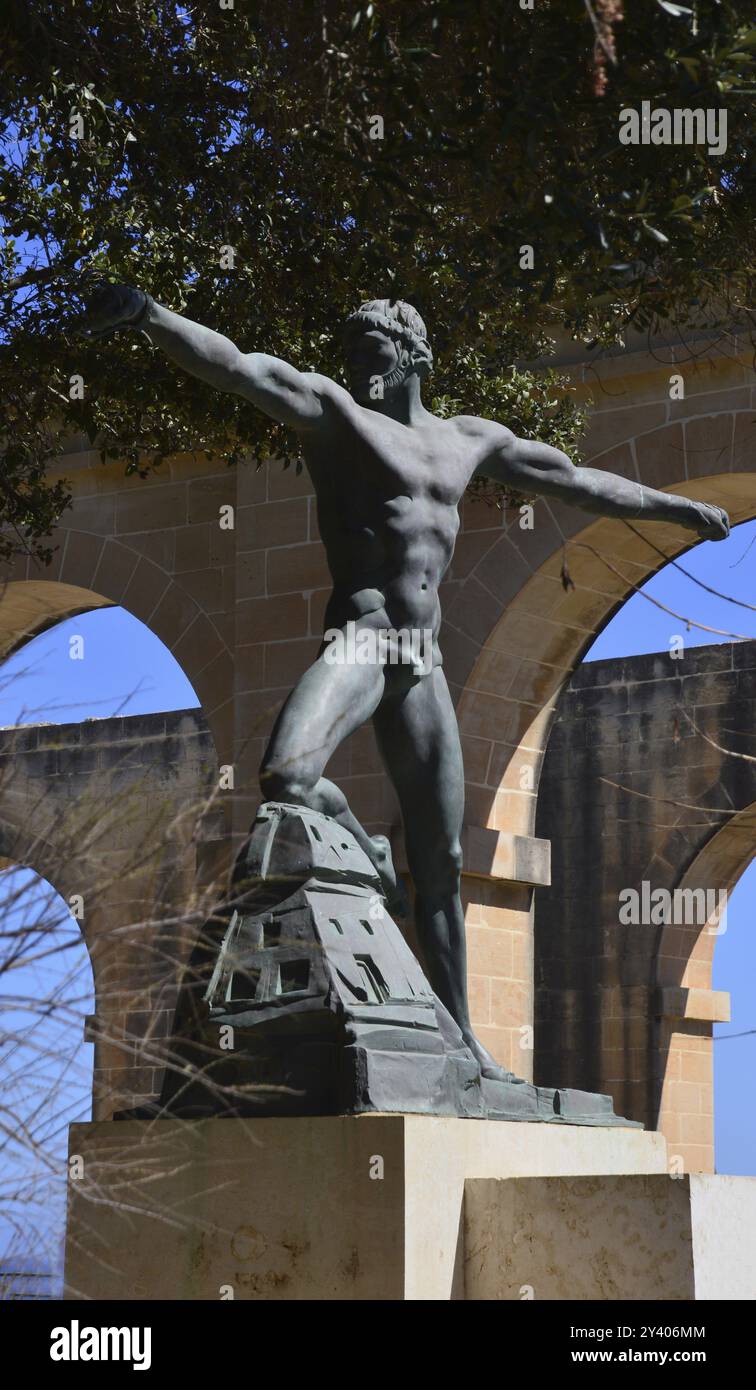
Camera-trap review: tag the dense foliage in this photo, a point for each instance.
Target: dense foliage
(142, 137)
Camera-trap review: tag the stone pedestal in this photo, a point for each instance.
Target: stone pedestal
(641, 1236)
(335, 1207)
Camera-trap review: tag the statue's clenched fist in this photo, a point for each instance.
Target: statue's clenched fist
(115, 306)
(713, 522)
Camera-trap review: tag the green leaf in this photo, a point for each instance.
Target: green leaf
(678, 11)
(655, 233)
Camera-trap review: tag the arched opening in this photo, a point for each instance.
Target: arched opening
(545, 630)
(107, 774)
(139, 588)
(100, 664)
(705, 975)
(46, 995)
(519, 622)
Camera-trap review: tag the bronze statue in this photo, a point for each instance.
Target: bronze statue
(389, 476)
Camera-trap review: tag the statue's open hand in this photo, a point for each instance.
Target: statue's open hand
(713, 522)
(113, 306)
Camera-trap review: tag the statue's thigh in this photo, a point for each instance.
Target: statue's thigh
(328, 703)
(419, 741)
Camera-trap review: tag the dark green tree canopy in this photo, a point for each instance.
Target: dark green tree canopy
(265, 167)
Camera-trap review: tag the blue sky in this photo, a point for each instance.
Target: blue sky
(127, 670)
(729, 566)
(46, 1065)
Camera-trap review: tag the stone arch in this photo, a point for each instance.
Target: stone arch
(26, 845)
(121, 813)
(513, 634)
(686, 954)
(145, 859)
(645, 788)
(54, 846)
(93, 571)
(687, 1006)
(516, 634)
(22, 846)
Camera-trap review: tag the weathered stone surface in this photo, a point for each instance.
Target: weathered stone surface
(99, 807)
(622, 1237)
(639, 785)
(355, 1208)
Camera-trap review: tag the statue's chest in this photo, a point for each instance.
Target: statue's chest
(400, 464)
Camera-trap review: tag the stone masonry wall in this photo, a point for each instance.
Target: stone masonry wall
(107, 810)
(636, 787)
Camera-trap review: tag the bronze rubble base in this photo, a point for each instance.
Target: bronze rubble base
(316, 1005)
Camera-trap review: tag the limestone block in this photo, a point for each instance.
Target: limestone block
(335, 1207)
(705, 1005)
(636, 1236)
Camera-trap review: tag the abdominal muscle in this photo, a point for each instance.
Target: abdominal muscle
(398, 600)
(399, 596)
(402, 559)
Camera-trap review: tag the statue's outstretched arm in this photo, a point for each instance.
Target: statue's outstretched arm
(534, 468)
(298, 399)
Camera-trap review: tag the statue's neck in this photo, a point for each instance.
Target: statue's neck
(404, 403)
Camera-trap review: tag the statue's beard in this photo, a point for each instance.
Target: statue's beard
(389, 380)
(395, 377)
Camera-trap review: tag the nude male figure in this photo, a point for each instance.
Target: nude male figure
(389, 477)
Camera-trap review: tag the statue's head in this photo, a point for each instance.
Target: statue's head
(385, 342)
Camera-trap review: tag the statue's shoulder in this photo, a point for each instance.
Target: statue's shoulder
(329, 390)
(478, 428)
(485, 441)
(324, 383)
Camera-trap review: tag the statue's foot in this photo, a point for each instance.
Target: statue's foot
(489, 1067)
(395, 893)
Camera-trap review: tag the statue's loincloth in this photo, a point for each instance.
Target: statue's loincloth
(358, 628)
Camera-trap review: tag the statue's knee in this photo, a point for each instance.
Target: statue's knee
(283, 781)
(436, 871)
(452, 864)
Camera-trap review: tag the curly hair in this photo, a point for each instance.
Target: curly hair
(395, 317)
